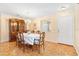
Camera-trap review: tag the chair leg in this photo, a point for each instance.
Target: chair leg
(43, 47)
(32, 47)
(39, 49)
(18, 44)
(23, 47)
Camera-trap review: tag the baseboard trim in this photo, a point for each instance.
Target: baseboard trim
(4, 41)
(65, 44)
(76, 50)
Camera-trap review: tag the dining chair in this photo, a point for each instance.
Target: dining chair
(40, 42)
(20, 40)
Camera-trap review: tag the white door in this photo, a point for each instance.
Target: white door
(65, 29)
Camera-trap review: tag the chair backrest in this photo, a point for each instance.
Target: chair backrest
(20, 36)
(32, 31)
(38, 32)
(42, 36)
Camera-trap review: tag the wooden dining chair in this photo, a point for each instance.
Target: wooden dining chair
(43, 39)
(40, 43)
(20, 40)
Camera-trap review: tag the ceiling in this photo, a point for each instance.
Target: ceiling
(32, 9)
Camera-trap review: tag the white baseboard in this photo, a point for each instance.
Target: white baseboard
(76, 49)
(2, 41)
(51, 41)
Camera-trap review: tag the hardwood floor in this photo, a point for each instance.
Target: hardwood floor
(51, 49)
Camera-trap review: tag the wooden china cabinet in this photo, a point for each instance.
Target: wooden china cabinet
(15, 25)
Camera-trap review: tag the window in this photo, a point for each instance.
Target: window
(45, 25)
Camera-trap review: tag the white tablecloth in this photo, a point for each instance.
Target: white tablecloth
(29, 38)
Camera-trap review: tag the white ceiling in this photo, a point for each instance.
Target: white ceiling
(32, 9)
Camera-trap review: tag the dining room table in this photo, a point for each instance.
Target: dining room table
(31, 38)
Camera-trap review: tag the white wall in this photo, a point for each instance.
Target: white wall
(4, 27)
(76, 40)
(65, 27)
(65, 22)
(0, 27)
(51, 36)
